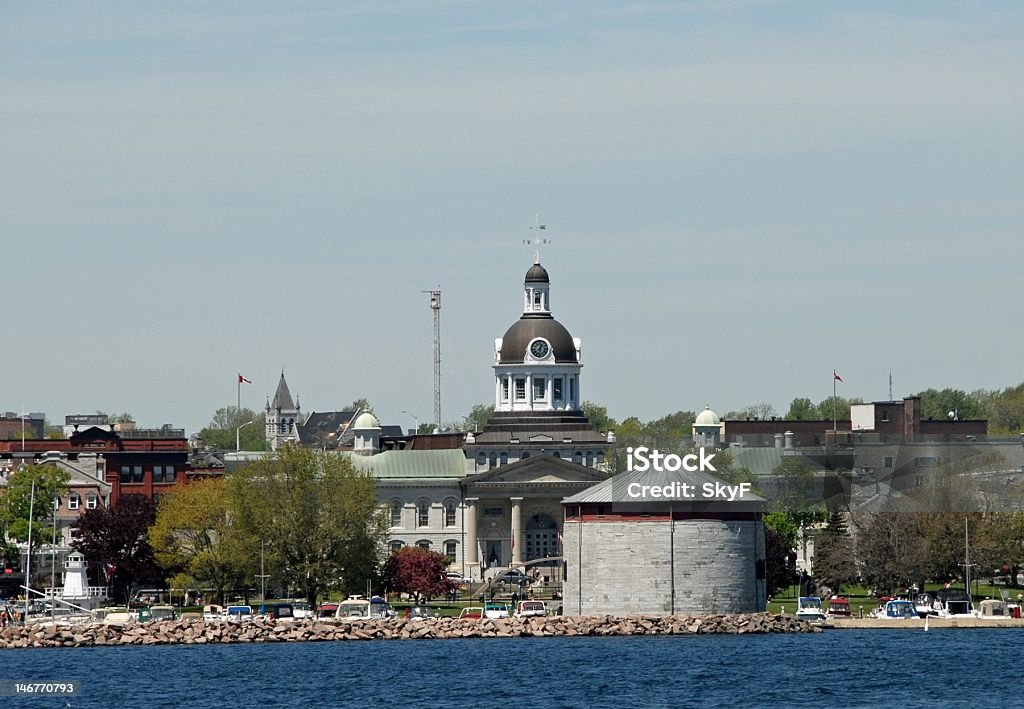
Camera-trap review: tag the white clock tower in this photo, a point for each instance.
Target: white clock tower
(537, 362)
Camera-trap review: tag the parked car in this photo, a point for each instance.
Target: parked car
(496, 610)
(531, 609)
(515, 577)
(459, 578)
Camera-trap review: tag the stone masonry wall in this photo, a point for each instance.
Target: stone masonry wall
(627, 567)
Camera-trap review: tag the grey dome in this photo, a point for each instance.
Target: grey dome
(537, 274)
(518, 338)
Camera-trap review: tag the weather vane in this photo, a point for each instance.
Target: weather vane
(537, 243)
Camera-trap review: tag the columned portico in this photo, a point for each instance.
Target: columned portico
(470, 552)
(517, 531)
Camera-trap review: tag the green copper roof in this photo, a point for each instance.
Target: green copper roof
(420, 465)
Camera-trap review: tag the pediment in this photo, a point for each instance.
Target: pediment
(539, 469)
(542, 437)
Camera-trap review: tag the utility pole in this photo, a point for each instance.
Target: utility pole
(435, 306)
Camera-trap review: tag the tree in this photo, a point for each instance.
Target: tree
(220, 433)
(115, 540)
(16, 501)
(891, 546)
(194, 540)
(598, 416)
(802, 409)
(479, 416)
(937, 404)
(361, 405)
(834, 562)
(318, 516)
(793, 484)
(418, 571)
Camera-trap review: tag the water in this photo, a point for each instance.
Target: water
(850, 668)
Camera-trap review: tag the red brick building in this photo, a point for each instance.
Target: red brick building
(143, 461)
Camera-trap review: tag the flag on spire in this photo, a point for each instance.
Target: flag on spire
(242, 379)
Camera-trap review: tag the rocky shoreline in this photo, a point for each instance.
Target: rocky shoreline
(199, 632)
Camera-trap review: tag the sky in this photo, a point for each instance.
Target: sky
(741, 196)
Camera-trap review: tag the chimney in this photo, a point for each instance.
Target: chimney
(778, 440)
(789, 439)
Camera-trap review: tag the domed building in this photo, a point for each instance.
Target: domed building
(708, 429)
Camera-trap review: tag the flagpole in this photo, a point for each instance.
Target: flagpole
(833, 401)
(238, 404)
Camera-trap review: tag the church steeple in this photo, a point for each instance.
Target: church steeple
(282, 416)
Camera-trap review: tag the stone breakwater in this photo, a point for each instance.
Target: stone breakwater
(197, 632)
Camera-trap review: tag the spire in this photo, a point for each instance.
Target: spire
(283, 397)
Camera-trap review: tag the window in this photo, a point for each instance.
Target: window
(572, 388)
(449, 551)
(577, 458)
(137, 474)
(126, 473)
(169, 474)
(423, 513)
(396, 513)
(536, 299)
(504, 389)
(504, 458)
(423, 544)
(91, 501)
(590, 459)
(520, 388)
(887, 463)
(539, 386)
(525, 455)
(74, 501)
(885, 416)
(158, 473)
(396, 546)
(494, 512)
(449, 513)
(493, 458)
(556, 385)
(481, 458)
(557, 454)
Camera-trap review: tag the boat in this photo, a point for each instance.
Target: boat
(993, 608)
(809, 609)
(839, 607)
(954, 603)
(897, 608)
(925, 604)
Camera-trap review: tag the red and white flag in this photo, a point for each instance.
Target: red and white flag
(242, 379)
(837, 377)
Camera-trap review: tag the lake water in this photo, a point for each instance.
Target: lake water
(850, 668)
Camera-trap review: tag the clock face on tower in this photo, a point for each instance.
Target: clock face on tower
(539, 349)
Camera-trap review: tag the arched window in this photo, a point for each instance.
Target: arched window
(590, 459)
(423, 544)
(504, 458)
(557, 454)
(493, 457)
(396, 546)
(525, 455)
(481, 458)
(396, 513)
(423, 513)
(450, 508)
(577, 458)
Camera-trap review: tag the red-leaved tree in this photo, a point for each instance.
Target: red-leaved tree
(115, 541)
(418, 572)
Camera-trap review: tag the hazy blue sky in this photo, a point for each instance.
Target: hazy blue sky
(742, 195)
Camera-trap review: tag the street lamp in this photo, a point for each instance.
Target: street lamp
(415, 418)
(238, 435)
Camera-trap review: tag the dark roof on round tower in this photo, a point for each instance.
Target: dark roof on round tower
(525, 330)
(537, 274)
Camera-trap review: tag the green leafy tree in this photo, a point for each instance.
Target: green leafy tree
(318, 516)
(16, 501)
(892, 548)
(479, 416)
(598, 417)
(220, 433)
(937, 404)
(419, 572)
(195, 542)
(802, 409)
(361, 405)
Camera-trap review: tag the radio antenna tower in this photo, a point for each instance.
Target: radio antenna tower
(435, 306)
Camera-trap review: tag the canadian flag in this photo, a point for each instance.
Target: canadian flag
(242, 379)
(838, 378)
